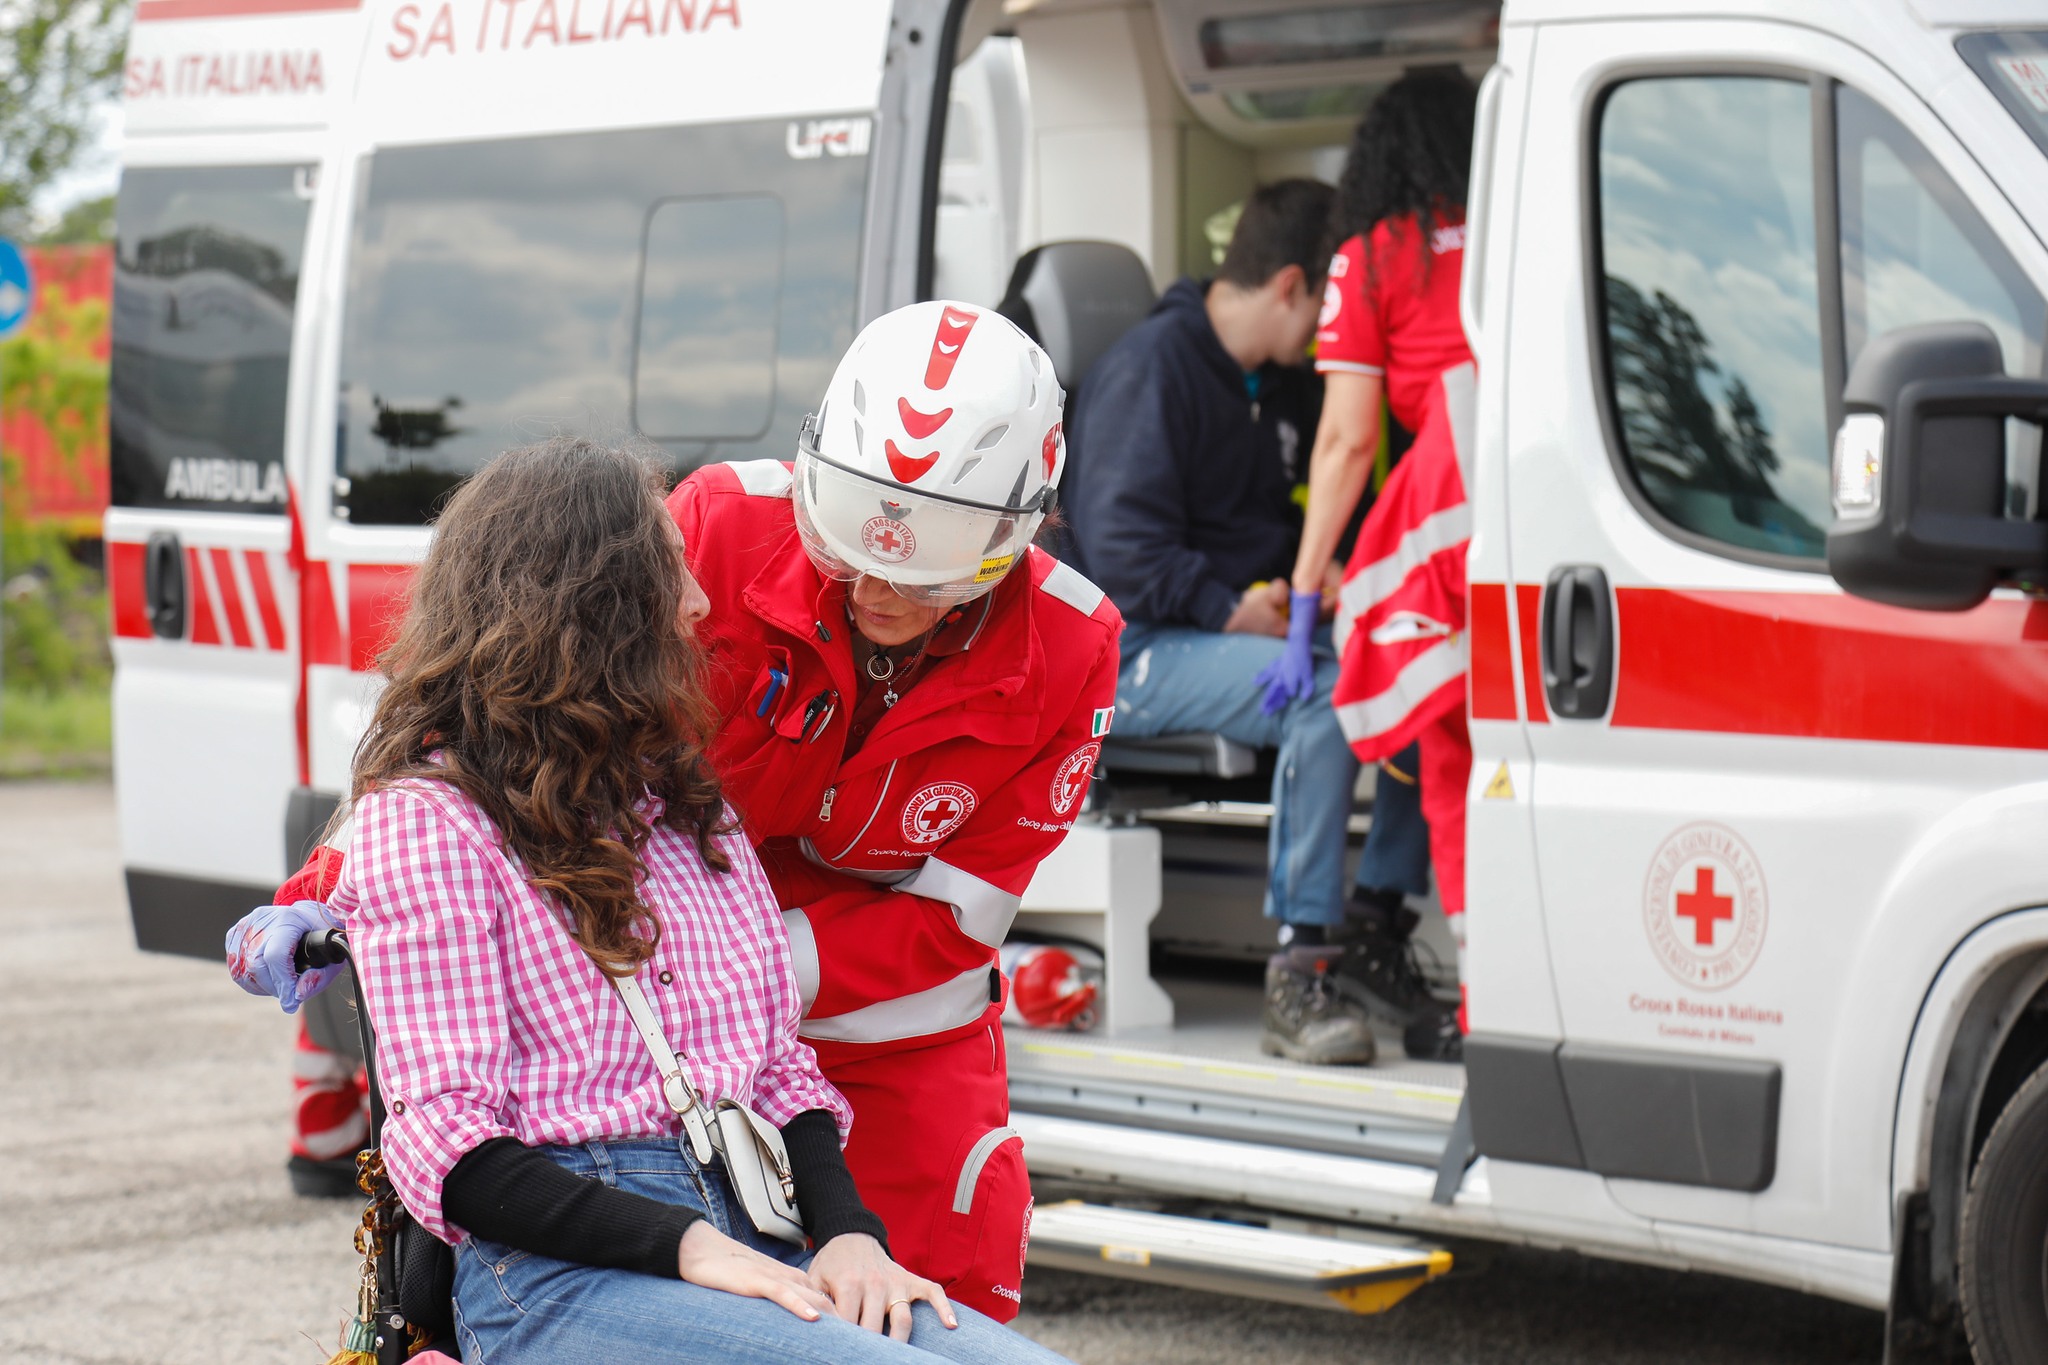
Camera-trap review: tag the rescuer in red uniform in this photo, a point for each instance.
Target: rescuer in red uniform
(913, 698)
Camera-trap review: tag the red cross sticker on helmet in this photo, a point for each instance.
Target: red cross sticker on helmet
(954, 325)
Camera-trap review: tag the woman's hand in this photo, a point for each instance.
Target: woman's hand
(708, 1257)
(868, 1288)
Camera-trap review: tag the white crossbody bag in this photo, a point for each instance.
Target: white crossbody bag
(756, 1160)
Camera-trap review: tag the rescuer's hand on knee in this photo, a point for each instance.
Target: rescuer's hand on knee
(1261, 611)
(260, 947)
(708, 1257)
(868, 1288)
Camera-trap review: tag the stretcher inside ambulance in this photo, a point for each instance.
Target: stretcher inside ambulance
(1757, 946)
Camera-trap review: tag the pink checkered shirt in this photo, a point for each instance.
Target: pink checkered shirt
(491, 1021)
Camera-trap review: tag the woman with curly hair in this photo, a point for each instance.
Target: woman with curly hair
(535, 822)
(1389, 329)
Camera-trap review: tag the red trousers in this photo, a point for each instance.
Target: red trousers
(934, 1157)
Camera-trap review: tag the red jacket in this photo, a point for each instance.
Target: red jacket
(901, 866)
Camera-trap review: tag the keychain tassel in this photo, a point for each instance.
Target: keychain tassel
(358, 1346)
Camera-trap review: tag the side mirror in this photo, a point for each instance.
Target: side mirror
(1920, 470)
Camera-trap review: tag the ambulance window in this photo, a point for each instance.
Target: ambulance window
(696, 280)
(206, 276)
(1913, 251)
(704, 367)
(1711, 307)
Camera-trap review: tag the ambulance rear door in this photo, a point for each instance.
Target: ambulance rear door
(635, 220)
(1734, 761)
(226, 111)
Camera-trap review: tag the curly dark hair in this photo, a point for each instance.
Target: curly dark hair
(1411, 153)
(544, 669)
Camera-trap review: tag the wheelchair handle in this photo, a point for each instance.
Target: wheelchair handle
(321, 948)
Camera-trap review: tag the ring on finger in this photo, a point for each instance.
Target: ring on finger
(894, 1302)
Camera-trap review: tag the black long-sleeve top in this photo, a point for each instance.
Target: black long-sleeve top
(505, 1191)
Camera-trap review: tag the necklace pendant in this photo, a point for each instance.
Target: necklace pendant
(889, 699)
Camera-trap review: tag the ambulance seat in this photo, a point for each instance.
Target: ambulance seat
(1075, 299)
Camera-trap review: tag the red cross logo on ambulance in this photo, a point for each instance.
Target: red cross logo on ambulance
(934, 811)
(1070, 782)
(1704, 906)
(888, 539)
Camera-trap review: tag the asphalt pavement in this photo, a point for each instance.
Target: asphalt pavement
(145, 1218)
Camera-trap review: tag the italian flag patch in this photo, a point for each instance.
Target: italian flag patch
(1103, 716)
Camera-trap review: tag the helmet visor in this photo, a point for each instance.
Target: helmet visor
(930, 548)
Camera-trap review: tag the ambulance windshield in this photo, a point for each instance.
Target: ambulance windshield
(2014, 63)
(692, 286)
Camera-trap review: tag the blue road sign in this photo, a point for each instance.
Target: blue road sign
(17, 289)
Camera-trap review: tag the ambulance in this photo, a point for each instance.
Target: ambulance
(1757, 966)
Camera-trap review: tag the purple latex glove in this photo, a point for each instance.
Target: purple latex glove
(1292, 676)
(260, 948)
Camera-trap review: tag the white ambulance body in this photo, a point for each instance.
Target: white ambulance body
(1758, 935)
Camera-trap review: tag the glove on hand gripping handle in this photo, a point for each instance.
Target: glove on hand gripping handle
(261, 948)
(1292, 676)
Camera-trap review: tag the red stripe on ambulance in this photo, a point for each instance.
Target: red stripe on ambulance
(231, 599)
(150, 10)
(125, 589)
(266, 598)
(200, 628)
(376, 605)
(1528, 615)
(1819, 666)
(220, 609)
(1493, 660)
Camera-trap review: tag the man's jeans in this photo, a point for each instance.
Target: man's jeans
(513, 1306)
(1176, 679)
(1396, 856)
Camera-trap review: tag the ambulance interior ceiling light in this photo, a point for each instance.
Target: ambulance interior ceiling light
(1446, 30)
(1348, 101)
(1859, 464)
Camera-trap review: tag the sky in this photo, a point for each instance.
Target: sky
(97, 172)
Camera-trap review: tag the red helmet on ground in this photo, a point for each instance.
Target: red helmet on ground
(1050, 988)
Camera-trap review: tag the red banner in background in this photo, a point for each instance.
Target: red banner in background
(73, 497)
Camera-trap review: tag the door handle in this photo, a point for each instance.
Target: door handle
(1578, 642)
(163, 585)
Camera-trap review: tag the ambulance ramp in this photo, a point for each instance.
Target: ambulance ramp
(1356, 1276)
(1206, 1075)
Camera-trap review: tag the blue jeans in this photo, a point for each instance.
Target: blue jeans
(1396, 856)
(1177, 679)
(513, 1307)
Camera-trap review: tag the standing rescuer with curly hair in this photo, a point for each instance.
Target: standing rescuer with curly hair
(1389, 329)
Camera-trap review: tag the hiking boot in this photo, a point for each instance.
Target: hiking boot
(1377, 969)
(1306, 1019)
(1434, 1036)
(315, 1179)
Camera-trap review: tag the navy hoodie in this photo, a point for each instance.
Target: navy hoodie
(1181, 468)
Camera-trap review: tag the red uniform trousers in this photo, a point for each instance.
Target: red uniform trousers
(934, 1157)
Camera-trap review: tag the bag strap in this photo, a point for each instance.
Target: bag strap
(682, 1097)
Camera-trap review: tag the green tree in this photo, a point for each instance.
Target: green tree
(59, 60)
(86, 223)
(52, 609)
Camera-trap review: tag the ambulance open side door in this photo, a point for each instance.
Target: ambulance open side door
(1732, 760)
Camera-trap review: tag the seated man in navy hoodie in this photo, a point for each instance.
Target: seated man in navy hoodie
(1184, 447)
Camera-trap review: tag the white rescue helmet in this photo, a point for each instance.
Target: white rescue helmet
(935, 455)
